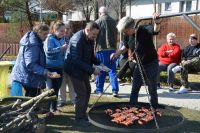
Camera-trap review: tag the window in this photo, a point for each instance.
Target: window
(188, 5)
(181, 6)
(185, 6)
(69, 15)
(159, 7)
(168, 6)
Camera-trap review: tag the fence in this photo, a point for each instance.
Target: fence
(13, 51)
(178, 25)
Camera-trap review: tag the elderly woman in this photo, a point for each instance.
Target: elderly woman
(29, 70)
(145, 55)
(169, 57)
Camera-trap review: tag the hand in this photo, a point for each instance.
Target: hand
(64, 47)
(113, 56)
(156, 15)
(96, 71)
(54, 75)
(156, 18)
(49, 74)
(168, 52)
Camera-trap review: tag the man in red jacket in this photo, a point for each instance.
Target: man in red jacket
(169, 57)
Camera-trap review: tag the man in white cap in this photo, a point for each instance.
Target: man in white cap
(105, 46)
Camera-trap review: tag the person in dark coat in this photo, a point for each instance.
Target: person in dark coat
(29, 70)
(78, 65)
(190, 62)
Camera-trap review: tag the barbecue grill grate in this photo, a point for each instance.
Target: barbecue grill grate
(170, 119)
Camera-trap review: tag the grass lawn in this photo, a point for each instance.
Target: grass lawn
(64, 122)
(191, 78)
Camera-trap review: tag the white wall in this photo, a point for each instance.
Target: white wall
(77, 16)
(144, 8)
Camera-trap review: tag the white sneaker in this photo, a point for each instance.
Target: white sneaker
(176, 69)
(182, 90)
(171, 89)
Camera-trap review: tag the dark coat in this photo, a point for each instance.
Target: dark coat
(80, 56)
(107, 38)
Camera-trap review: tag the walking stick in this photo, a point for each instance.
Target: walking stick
(5, 52)
(109, 84)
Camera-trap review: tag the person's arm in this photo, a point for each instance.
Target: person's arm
(31, 58)
(176, 52)
(118, 52)
(157, 22)
(162, 51)
(52, 48)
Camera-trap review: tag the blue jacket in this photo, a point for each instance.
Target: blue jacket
(30, 64)
(54, 55)
(80, 56)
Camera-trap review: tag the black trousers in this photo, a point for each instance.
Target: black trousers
(126, 68)
(56, 84)
(31, 92)
(83, 90)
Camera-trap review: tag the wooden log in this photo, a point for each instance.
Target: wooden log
(31, 101)
(10, 106)
(20, 120)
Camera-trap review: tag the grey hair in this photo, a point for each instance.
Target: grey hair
(124, 23)
(171, 34)
(67, 23)
(103, 9)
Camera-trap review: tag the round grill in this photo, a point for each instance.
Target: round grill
(169, 121)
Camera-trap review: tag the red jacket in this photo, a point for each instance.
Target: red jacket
(173, 57)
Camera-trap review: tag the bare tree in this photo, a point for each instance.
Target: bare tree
(59, 6)
(24, 6)
(2, 11)
(86, 7)
(119, 6)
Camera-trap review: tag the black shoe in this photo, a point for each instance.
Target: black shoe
(83, 123)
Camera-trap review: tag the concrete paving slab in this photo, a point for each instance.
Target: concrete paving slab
(189, 100)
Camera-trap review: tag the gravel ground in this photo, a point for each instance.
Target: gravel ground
(189, 100)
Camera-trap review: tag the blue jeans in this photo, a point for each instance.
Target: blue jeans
(16, 89)
(104, 57)
(151, 71)
(168, 68)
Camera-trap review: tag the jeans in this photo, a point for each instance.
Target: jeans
(168, 68)
(16, 89)
(54, 83)
(151, 71)
(104, 57)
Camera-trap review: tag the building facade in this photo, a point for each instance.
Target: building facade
(144, 8)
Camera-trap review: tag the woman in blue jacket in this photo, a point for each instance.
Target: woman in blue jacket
(54, 49)
(29, 70)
